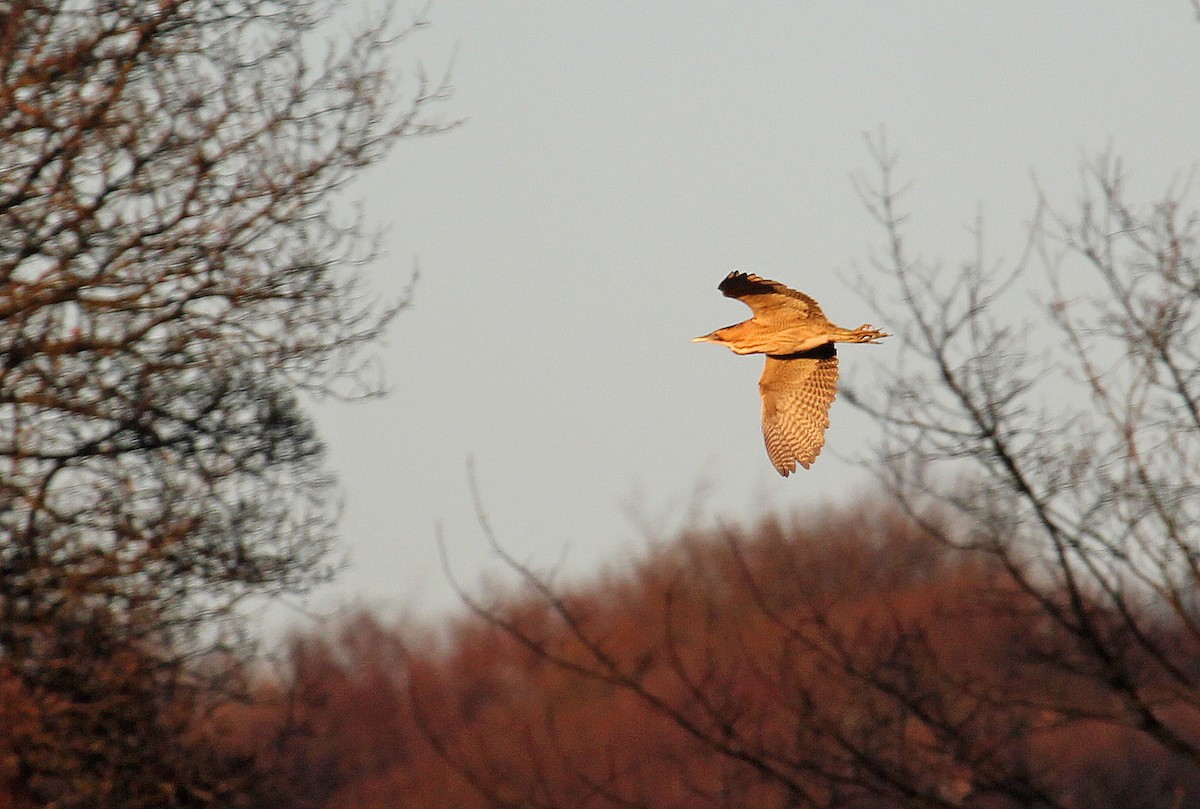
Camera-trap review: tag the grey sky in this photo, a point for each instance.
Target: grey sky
(619, 158)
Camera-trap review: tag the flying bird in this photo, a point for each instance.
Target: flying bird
(799, 380)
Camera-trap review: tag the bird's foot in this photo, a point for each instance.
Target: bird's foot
(866, 333)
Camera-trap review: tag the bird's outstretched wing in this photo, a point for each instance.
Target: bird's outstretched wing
(797, 390)
(770, 300)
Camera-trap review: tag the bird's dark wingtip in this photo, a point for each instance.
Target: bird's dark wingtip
(738, 284)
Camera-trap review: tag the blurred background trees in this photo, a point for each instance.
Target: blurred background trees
(844, 660)
(174, 275)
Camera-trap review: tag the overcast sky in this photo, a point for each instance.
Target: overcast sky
(617, 160)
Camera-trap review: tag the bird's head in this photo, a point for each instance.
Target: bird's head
(732, 337)
(712, 337)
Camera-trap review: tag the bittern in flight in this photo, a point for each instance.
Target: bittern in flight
(800, 378)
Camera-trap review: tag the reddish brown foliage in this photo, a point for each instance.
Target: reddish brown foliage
(847, 662)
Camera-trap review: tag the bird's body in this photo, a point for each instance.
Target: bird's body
(799, 380)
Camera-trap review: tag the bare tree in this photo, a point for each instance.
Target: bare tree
(174, 275)
(861, 660)
(835, 661)
(1054, 404)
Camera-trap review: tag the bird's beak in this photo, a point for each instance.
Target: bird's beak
(705, 338)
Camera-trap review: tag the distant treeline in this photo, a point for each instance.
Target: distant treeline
(855, 660)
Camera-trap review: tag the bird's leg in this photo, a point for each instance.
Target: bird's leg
(866, 333)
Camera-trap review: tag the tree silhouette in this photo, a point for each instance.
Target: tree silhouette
(1064, 428)
(174, 275)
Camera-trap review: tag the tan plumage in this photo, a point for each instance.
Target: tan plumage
(799, 380)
